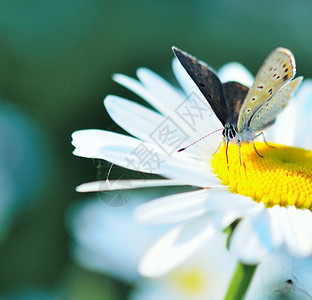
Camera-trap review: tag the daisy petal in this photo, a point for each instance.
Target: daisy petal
(191, 111)
(251, 239)
(160, 88)
(190, 171)
(150, 126)
(233, 207)
(297, 236)
(191, 116)
(303, 110)
(173, 208)
(179, 207)
(275, 224)
(235, 72)
(136, 87)
(164, 106)
(89, 142)
(132, 117)
(175, 247)
(112, 185)
(127, 152)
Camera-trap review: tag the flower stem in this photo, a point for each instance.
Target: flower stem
(240, 281)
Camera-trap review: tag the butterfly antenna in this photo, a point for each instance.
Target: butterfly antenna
(184, 148)
(226, 154)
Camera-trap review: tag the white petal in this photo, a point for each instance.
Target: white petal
(230, 201)
(173, 208)
(134, 118)
(191, 112)
(275, 225)
(112, 185)
(228, 205)
(151, 126)
(89, 142)
(235, 72)
(160, 88)
(141, 156)
(191, 115)
(175, 247)
(164, 106)
(297, 237)
(180, 207)
(235, 206)
(303, 111)
(251, 239)
(191, 172)
(136, 87)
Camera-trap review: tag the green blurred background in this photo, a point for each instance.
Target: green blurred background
(56, 62)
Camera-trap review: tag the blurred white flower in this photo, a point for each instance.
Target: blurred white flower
(106, 240)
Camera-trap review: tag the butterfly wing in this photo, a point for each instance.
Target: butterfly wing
(207, 82)
(278, 69)
(267, 113)
(235, 94)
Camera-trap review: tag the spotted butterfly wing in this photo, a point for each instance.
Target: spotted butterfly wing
(266, 114)
(277, 70)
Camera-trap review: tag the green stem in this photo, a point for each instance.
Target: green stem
(240, 281)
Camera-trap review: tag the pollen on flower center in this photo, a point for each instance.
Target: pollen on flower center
(282, 177)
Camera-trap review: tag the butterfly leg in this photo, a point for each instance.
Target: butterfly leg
(226, 154)
(264, 139)
(239, 152)
(240, 155)
(253, 142)
(237, 142)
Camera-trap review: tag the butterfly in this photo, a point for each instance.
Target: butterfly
(243, 112)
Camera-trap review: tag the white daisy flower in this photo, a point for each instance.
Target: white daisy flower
(270, 196)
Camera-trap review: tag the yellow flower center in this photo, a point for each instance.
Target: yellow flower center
(282, 177)
(190, 281)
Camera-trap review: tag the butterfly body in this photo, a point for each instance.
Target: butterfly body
(243, 111)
